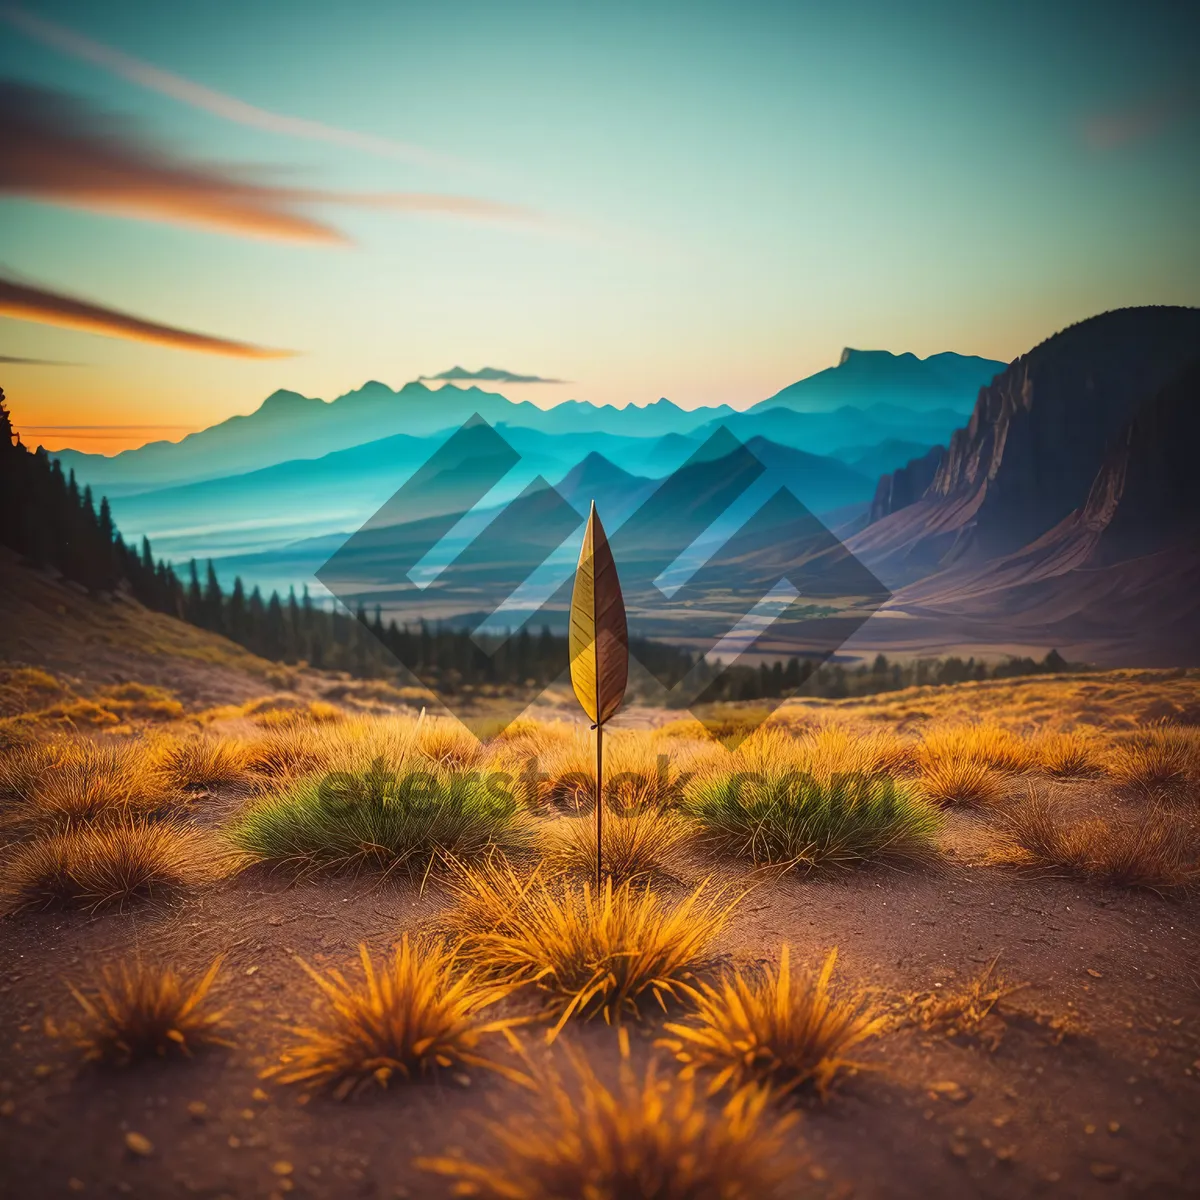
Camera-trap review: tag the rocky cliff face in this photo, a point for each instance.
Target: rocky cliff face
(1147, 493)
(906, 485)
(1041, 431)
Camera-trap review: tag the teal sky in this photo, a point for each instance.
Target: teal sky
(728, 195)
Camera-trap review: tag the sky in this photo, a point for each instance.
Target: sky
(704, 201)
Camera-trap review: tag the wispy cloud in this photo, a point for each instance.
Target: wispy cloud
(26, 302)
(488, 375)
(58, 151)
(186, 91)
(14, 361)
(1139, 122)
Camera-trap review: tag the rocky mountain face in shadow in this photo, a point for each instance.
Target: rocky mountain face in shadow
(1147, 493)
(907, 484)
(1069, 507)
(1035, 442)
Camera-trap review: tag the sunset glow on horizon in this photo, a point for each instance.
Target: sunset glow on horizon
(705, 210)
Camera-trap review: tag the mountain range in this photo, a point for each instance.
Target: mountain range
(848, 404)
(1058, 507)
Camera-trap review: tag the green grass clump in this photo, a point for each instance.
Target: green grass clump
(783, 817)
(362, 822)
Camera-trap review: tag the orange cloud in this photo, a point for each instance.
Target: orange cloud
(27, 303)
(57, 151)
(195, 95)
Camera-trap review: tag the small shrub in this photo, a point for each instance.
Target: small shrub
(76, 714)
(1154, 849)
(379, 822)
(773, 1032)
(951, 781)
(647, 1139)
(93, 866)
(418, 1014)
(588, 954)
(139, 1010)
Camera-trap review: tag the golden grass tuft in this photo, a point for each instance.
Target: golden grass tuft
(634, 846)
(640, 770)
(447, 742)
(1156, 761)
(141, 1010)
(204, 762)
(649, 1138)
(1155, 849)
(286, 752)
(586, 954)
(988, 745)
(71, 780)
(94, 866)
(774, 1032)
(953, 781)
(418, 1013)
(1073, 754)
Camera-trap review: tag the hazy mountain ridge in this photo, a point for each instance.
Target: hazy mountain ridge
(288, 425)
(940, 381)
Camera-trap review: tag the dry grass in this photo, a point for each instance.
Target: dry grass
(968, 1010)
(635, 846)
(142, 701)
(418, 1014)
(51, 785)
(287, 752)
(586, 954)
(774, 1032)
(1077, 754)
(953, 781)
(1155, 761)
(316, 712)
(1155, 849)
(1106, 700)
(986, 745)
(203, 762)
(649, 1138)
(641, 770)
(137, 1010)
(93, 866)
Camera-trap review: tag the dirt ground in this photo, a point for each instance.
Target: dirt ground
(1092, 1090)
(1111, 1109)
